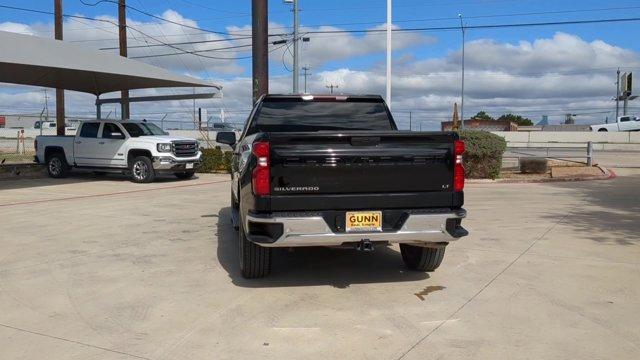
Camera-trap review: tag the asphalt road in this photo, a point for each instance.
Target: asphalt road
(96, 268)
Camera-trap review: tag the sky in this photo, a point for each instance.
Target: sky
(532, 71)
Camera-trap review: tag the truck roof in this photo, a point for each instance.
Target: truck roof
(116, 120)
(370, 97)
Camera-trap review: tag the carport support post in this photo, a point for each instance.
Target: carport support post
(122, 33)
(260, 35)
(60, 123)
(98, 108)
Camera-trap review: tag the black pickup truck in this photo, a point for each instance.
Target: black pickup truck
(336, 171)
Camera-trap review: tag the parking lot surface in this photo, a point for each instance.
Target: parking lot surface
(100, 268)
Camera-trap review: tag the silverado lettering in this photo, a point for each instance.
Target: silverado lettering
(297, 188)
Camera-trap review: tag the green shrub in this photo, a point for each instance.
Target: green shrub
(215, 160)
(483, 156)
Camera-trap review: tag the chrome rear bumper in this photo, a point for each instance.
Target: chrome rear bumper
(295, 231)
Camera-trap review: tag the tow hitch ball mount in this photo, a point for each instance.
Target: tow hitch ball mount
(365, 245)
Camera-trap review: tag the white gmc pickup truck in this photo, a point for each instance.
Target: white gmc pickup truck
(624, 123)
(138, 148)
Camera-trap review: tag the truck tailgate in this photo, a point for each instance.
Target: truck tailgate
(361, 162)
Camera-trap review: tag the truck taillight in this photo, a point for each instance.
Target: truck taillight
(261, 174)
(458, 169)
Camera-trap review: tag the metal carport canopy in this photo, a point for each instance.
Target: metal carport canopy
(31, 60)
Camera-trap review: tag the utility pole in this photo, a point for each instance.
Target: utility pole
(618, 96)
(122, 33)
(59, 92)
(389, 17)
(462, 90)
(259, 48)
(296, 48)
(305, 74)
(331, 86)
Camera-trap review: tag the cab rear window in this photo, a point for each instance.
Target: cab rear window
(292, 115)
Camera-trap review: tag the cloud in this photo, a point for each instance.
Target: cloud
(323, 48)
(549, 76)
(143, 39)
(553, 76)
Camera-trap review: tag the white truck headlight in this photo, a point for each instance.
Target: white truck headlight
(164, 147)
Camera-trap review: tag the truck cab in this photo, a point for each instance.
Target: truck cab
(139, 148)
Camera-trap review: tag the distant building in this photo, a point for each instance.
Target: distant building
(566, 127)
(21, 121)
(544, 121)
(482, 124)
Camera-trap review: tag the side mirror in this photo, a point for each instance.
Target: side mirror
(117, 135)
(226, 137)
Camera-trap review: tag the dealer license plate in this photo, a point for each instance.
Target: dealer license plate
(189, 166)
(363, 221)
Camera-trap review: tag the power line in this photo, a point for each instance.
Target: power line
(161, 18)
(154, 16)
(486, 26)
(193, 3)
(197, 52)
(477, 16)
(446, 28)
(113, 23)
(193, 52)
(180, 43)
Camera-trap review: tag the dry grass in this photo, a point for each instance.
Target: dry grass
(13, 158)
(557, 169)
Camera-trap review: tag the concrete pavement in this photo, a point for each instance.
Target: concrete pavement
(614, 159)
(106, 269)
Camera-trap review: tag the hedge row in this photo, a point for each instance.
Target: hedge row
(215, 160)
(483, 156)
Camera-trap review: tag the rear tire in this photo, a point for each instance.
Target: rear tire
(255, 260)
(421, 258)
(57, 166)
(142, 170)
(186, 175)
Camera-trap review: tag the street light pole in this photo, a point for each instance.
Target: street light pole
(462, 90)
(296, 48)
(618, 95)
(306, 73)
